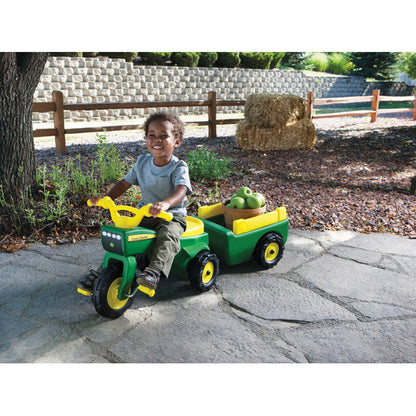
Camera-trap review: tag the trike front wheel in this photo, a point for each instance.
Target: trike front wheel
(105, 295)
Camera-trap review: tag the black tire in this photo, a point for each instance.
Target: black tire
(269, 250)
(203, 270)
(105, 293)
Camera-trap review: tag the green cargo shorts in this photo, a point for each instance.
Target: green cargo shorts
(167, 243)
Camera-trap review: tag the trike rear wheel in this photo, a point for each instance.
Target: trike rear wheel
(269, 250)
(106, 290)
(203, 270)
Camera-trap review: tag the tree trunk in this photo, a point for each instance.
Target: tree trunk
(19, 77)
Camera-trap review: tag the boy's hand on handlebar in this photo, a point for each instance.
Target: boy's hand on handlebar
(157, 208)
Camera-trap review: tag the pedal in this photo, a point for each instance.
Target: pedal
(84, 292)
(147, 290)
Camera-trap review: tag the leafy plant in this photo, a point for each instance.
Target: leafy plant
(108, 160)
(339, 63)
(154, 58)
(207, 59)
(228, 60)
(204, 165)
(256, 60)
(185, 58)
(82, 183)
(295, 60)
(277, 58)
(55, 202)
(407, 64)
(317, 61)
(58, 188)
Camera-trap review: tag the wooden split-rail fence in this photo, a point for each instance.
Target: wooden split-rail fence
(57, 107)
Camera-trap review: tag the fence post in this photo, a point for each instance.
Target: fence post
(374, 105)
(58, 121)
(212, 114)
(309, 105)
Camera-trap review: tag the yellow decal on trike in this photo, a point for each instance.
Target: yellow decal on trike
(140, 237)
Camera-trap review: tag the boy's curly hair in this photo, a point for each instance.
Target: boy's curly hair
(178, 126)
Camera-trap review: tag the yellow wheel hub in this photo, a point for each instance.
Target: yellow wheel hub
(272, 251)
(113, 301)
(208, 272)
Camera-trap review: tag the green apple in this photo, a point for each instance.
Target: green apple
(254, 202)
(237, 202)
(261, 196)
(244, 192)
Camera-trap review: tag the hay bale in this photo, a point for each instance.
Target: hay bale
(298, 135)
(275, 122)
(271, 110)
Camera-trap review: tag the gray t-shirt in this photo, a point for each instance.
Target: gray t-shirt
(158, 183)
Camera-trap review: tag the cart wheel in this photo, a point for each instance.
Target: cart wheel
(269, 250)
(203, 270)
(105, 293)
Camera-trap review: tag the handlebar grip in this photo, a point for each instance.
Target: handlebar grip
(163, 214)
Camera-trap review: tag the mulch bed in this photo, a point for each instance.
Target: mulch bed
(357, 177)
(355, 180)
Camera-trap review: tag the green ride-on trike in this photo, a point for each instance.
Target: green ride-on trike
(205, 242)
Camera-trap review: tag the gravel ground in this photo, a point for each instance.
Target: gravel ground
(356, 177)
(349, 124)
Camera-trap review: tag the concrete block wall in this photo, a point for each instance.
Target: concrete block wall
(98, 80)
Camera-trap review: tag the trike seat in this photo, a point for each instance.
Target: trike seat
(194, 226)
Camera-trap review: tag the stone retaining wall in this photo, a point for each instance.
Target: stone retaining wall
(98, 80)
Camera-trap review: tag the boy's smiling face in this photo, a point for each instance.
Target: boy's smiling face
(161, 141)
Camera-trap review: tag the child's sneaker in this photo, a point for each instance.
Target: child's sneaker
(148, 281)
(86, 284)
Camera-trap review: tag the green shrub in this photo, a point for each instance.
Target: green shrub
(407, 63)
(411, 65)
(375, 65)
(339, 63)
(185, 58)
(204, 165)
(207, 59)
(294, 60)
(154, 58)
(256, 60)
(228, 60)
(317, 61)
(277, 58)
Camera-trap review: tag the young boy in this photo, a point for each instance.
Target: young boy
(164, 182)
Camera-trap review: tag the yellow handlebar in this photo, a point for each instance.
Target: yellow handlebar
(122, 221)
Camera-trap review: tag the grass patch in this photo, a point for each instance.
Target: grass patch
(384, 105)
